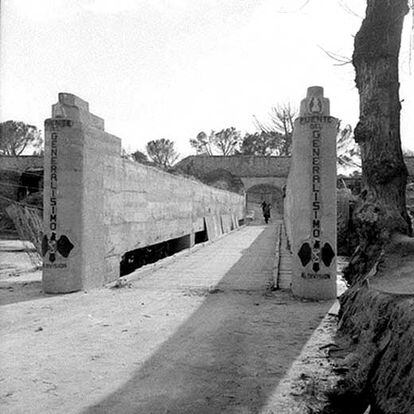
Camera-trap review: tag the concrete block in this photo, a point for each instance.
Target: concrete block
(212, 227)
(226, 223)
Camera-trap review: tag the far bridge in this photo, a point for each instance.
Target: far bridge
(261, 178)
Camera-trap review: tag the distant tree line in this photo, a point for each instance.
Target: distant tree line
(273, 137)
(17, 136)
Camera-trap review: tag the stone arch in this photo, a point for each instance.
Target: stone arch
(223, 179)
(270, 193)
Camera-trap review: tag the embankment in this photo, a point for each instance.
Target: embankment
(377, 316)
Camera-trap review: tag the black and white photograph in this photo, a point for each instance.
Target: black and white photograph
(206, 206)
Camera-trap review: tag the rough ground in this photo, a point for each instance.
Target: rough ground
(199, 333)
(377, 336)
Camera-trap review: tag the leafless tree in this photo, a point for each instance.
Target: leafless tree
(280, 121)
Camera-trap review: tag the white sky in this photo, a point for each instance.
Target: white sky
(171, 68)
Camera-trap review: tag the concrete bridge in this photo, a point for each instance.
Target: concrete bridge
(98, 207)
(211, 329)
(206, 330)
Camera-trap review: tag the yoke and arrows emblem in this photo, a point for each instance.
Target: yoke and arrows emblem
(63, 246)
(315, 105)
(326, 254)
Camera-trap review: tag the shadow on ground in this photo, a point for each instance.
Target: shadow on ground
(229, 355)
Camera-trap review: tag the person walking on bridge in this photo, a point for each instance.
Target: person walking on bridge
(266, 211)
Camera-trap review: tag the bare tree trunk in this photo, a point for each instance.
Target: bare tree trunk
(382, 207)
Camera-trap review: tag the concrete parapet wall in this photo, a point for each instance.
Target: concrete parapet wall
(158, 206)
(98, 205)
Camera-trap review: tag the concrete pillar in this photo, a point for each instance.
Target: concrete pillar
(77, 149)
(312, 199)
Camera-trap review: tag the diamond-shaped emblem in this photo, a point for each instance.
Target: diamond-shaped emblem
(327, 254)
(64, 246)
(305, 254)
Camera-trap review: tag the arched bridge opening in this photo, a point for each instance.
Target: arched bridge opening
(264, 192)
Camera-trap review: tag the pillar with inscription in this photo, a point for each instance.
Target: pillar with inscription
(73, 244)
(312, 194)
(60, 238)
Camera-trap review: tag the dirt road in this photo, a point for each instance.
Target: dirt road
(200, 334)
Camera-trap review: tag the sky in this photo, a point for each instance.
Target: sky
(172, 68)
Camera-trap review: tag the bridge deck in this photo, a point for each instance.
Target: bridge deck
(198, 334)
(240, 261)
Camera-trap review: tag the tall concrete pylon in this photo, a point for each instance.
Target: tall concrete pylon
(76, 145)
(310, 204)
